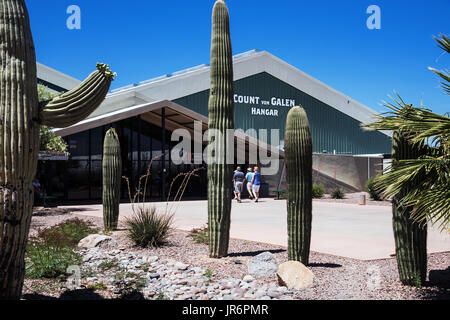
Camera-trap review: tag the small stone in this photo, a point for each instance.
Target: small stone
(152, 259)
(249, 296)
(260, 293)
(282, 289)
(248, 278)
(181, 266)
(273, 294)
(289, 292)
(237, 261)
(237, 291)
(244, 285)
(154, 275)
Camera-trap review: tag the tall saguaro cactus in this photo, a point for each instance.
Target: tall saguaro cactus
(298, 155)
(410, 237)
(221, 118)
(112, 169)
(20, 118)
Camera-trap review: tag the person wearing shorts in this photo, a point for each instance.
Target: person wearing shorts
(256, 183)
(238, 180)
(249, 178)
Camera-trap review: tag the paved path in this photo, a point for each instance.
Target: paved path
(348, 230)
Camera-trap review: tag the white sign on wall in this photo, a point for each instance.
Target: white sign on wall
(264, 107)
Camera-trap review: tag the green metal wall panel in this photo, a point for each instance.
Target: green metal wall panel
(332, 130)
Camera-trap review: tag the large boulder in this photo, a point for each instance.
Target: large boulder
(96, 240)
(294, 275)
(264, 264)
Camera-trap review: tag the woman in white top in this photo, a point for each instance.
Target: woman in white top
(249, 178)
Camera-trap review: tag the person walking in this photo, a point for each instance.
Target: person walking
(256, 183)
(238, 180)
(249, 178)
(234, 186)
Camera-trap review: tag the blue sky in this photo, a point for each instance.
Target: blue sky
(327, 39)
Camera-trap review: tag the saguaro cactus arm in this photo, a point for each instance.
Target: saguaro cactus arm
(78, 103)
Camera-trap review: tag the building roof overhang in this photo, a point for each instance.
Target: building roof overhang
(176, 117)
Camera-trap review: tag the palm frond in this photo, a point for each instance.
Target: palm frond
(422, 183)
(444, 42)
(417, 123)
(416, 181)
(445, 76)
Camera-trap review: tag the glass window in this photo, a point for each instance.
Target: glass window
(79, 145)
(97, 143)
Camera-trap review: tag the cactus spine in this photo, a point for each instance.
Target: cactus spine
(221, 118)
(112, 171)
(20, 118)
(410, 237)
(298, 155)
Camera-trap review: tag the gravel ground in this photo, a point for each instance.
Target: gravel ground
(337, 278)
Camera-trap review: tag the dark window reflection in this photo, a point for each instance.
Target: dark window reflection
(80, 178)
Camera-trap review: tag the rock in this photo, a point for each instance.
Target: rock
(264, 264)
(248, 278)
(152, 259)
(237, 261)
(96, 240)
(181, 266)
(260, 293)
(273, 294)
(294, 275)
(282, 289)
(154, 275)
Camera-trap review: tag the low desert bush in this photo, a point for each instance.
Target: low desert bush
(374, 192)
(200, 235)
(67, 233)
(47, 260)
(51, 251)
(149, 228)
(318, 190)
(338, 193)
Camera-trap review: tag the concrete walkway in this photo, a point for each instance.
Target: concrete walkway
(348, 230)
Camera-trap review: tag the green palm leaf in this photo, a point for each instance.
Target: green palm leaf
(423, 183)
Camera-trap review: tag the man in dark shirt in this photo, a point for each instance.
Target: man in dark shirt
(238, 180)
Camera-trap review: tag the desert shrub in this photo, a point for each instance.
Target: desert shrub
(338, 193)
(318, 190)
(67, 233)
(149, 228)
(48, 260)
(374, 193)
(50, 252)
(200, 235)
